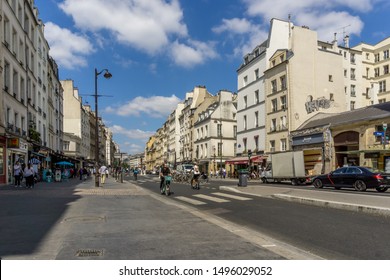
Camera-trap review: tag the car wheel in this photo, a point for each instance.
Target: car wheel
(381, 189)
(264, 179)
(360, 186)
(317, 184)
(337, 188)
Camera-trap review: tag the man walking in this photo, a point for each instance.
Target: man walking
(102, 171)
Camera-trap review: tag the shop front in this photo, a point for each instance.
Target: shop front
(237, 164)
(17, 151)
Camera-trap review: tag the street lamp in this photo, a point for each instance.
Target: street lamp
(384, 135)
(106, 75)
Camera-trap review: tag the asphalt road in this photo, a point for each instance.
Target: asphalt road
(325, 232)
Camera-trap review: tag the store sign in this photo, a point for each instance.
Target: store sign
(308, 139)
(17, 143)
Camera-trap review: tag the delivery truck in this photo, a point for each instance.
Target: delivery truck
(286, 166)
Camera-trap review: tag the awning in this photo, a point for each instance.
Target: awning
(244, 160)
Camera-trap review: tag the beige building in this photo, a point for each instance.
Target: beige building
(375, 71)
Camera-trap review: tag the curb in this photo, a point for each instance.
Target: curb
(337, 205)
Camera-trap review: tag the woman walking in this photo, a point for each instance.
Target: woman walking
(28, 173)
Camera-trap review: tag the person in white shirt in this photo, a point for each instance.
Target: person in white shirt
(102, 171)
(17, 174)
(28, 173)
(196, 174)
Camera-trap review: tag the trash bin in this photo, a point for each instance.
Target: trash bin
(243, 178)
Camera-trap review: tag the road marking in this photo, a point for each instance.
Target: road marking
(215, 199)
(189, 200)
(232, 196)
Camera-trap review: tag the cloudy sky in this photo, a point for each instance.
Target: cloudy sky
(157, 50)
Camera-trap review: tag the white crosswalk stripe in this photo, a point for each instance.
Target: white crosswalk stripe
(215, 199)
(190, 200)
(232, 196)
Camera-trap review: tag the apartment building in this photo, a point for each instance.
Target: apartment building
(375, 71)
(252, 109)
(215, 131)
(186, 120)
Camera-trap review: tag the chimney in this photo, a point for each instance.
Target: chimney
(346, 41)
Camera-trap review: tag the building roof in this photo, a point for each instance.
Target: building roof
(368, 113)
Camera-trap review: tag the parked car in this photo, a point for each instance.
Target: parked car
(358, 177)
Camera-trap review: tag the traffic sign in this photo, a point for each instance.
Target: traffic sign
(379, 133)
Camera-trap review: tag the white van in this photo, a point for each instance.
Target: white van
(186, 167)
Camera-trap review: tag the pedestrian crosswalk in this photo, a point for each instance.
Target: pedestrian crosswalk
(201, 199)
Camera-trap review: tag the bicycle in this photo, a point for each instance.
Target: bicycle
(166, 189)
(195, 186)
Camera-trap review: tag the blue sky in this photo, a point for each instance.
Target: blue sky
(157, 50)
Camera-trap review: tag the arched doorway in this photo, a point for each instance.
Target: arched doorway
(346, 146)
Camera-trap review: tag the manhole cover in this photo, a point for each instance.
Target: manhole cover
(85, 219)
(89, 253)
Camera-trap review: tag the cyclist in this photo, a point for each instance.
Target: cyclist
(196, 175)
(164, 171)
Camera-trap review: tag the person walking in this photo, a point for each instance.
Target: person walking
(102, 171)
(28, 173)
(17, 174)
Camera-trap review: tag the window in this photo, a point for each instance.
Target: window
(245, 81)
(386, 54)
(345, 73)
(257, 74)
(353, 76)
(353, 90)
(274, 104)
(66, 145)
(283, 102)
(245, 101)
(331, 97)
(245, 124)
(386, 69)
(272, 146)
(382, 100)
(257, 100)
(353, 58)
(245, 143)
(256, 119)
(235, 131)
(219, 130)
(283, 123)
(376, 57)
(256, 139)
(352, 105)
(376, 72)
(282, 58)
(273, 125)
(274, 86)
(283, 144)
(283, 83)
(7, 75)
(330, 78)
(382, 86)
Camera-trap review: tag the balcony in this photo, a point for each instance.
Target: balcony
(10, 126)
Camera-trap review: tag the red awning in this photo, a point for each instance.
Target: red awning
(244, 160)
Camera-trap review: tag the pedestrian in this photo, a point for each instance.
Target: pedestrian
(102, 171)
(135, 173)
(17, 174)
(28, 174)
(224, 173)
(81, 173)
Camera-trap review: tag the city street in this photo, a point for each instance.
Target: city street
(131, 220)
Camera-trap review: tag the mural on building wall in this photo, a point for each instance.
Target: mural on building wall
(314, 105)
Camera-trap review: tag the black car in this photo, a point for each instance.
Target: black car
(358, 177)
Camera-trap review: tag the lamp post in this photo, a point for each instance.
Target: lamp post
(106, 75)
(384, 135)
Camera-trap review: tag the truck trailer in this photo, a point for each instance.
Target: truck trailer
(286, 166)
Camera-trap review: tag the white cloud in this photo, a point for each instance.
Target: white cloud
(325, 17)
(144, 25)
(155, 106)
(234, 25)
(193, 53)
(68, 49)
(132, 133)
